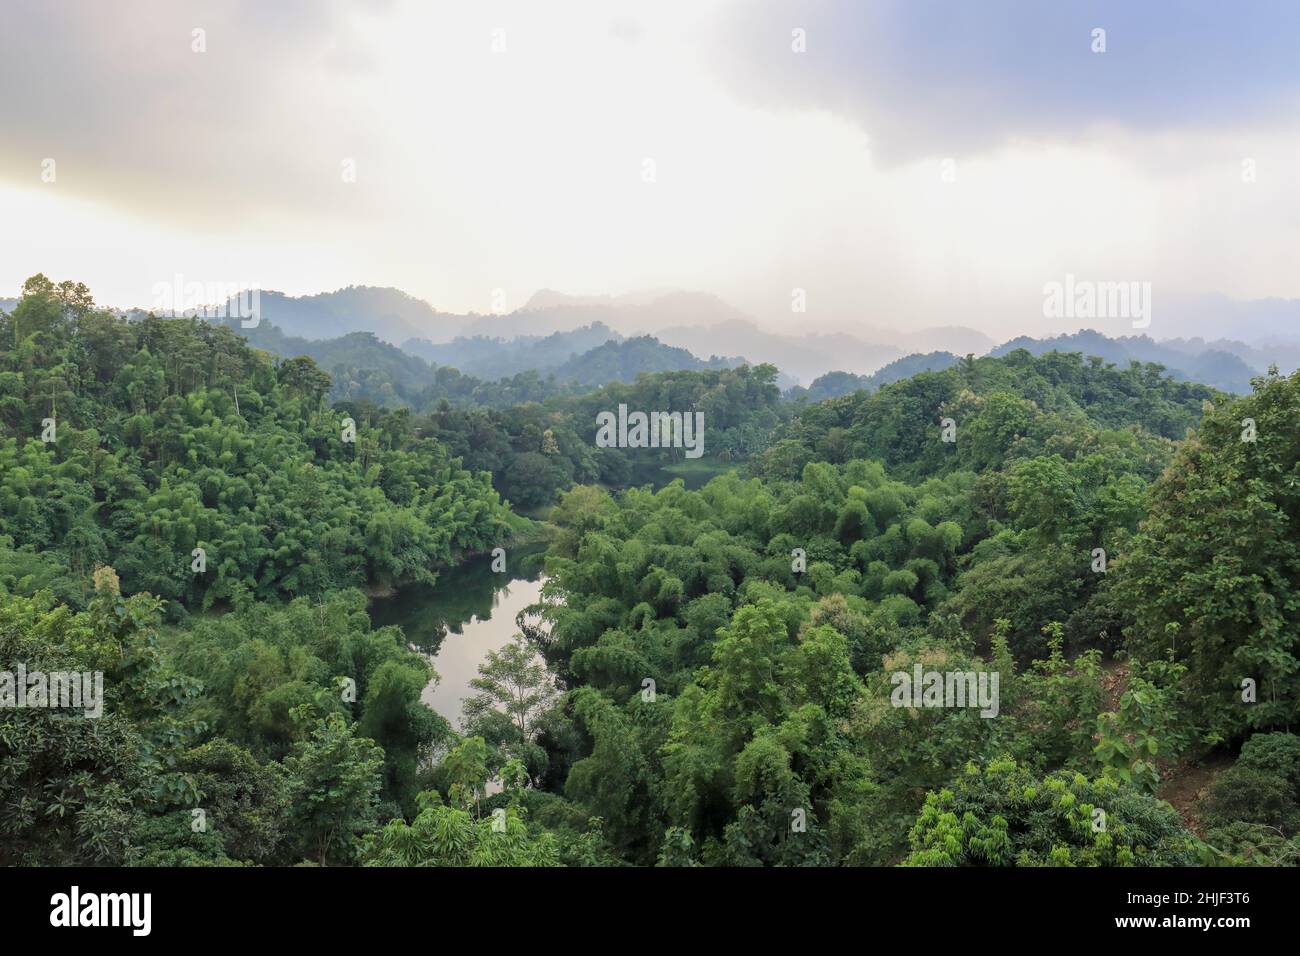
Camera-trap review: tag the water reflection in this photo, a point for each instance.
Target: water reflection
(469, 612)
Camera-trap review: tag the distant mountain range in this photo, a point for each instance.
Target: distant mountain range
(490, 357)
(624, 361)
(1211, 316)
(552, 326)
(706, 325)
(835, 384)
(1225, 365)
(390, 314)
(554, 331)
(399, 375)
(573, 355)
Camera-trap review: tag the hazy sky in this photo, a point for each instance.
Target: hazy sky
(507, 145)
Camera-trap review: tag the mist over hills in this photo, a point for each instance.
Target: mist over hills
(562, 352)
(582, 355)
(553, 331)
(1262, 331)
(835, 384)
(704, 324)
(1223, 364)
(552, 299)
(484, 355)
(624, 361)
(1285, 356)
(1209, 316)
(364, 366)
(390, 314)
(1217, 364)
(504, 344)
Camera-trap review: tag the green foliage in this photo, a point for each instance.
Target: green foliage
(716, 666)
(1054, 704)
(74, 788)
(174, 435)
(1146, 726)
(1002, 815)
(445, 836)
(1007, 409)
(1253, 809)
(260, 664)
(515, 695)
(1213, 575)
(334, 778)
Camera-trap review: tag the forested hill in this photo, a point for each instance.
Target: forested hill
(363, 368)
(359, 363)
(835, 384)
(1110, 555)
(624, 361)
(1032, 517)
(390, 314)
(488, 357)
(1209, 365)
(589, 356)
(537, 451)
(1009, 406)
(1225, 365)
(167, 435)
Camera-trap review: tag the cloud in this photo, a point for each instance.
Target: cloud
(133, 114)
(625, 29)
(931, 78)
(480, 171)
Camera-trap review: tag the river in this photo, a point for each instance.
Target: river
(471, 609)
(468, 612)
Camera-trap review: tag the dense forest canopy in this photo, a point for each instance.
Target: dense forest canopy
(172, 434)
(496, 374)
(1111, 552)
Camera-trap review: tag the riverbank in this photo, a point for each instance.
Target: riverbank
(468, 613)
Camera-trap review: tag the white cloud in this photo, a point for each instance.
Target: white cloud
(524, 169)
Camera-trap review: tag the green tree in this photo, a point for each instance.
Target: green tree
(1001, 815)
(334, 779)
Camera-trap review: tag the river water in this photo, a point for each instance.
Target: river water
(471, 609)
(468, 612)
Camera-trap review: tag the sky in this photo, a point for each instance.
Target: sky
(901, 163)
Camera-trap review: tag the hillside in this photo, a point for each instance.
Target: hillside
(952, 518)
(390, 314)
(624, 361)
(1215, 367)
(364, 368)
(835, 384)
(487, 357)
